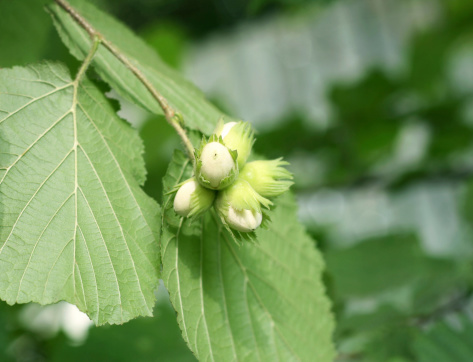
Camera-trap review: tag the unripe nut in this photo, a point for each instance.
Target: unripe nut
(192, 199)
(243, 220)
(237, 136)
(240, 206)
(268, 178)
(217, 163)
(182, 201)
(226, 128)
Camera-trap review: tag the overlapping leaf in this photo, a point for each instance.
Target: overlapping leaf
(181, 94)
(257, 302)
(75, 224)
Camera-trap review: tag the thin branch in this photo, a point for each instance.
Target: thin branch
(170, 114)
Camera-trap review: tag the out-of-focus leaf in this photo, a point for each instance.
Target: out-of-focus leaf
(393, 344)
(449, 131)
(443, 342)
(183, 96)
(160, 141)
(262, 301)
(381, 264)
(75, 224)
(383, 317)
(367, 124)
(24, 31)
(143, 339)
(168, 39)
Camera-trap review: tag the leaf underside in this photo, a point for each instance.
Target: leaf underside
(183, 96)
(75, 224)
(262, 301)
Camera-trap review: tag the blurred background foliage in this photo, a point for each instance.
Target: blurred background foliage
(372, 103)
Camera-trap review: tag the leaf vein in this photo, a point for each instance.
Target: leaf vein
(223, 293)
(34, 100)
(202, 290)
(38, 240)
(34, 143)
(106, 248)
(124, 181)
(32, 197)
(119, 226)
(93, 272)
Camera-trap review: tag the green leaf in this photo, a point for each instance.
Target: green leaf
(75, 224)
(444, 342)
(380, 264)
(261, 301)
(181, 94)
(26, 40)
(154, 339)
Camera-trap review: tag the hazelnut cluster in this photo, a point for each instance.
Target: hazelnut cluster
(222, 177)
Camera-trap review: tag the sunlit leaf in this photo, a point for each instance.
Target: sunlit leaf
(75, 224)
(262, 301)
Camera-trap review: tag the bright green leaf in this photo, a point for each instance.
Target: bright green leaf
(75, 224)
(180, 93)
(257, 302)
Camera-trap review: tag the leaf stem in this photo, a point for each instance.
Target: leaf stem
(88, 59)
(172, 117)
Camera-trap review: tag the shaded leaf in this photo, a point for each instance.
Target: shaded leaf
(444, 342)
(154, 339)
(23, 41)
(380, 264)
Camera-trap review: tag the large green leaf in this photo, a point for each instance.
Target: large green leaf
(262, 301)
(75, 224)
(181, 94)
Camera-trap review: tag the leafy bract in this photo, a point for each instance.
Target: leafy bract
(257, 302)
(181, 94)
(75, 224)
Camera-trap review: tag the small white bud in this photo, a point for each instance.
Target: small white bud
(243, 220)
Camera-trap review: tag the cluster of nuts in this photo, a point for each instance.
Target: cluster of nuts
(223, 178)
